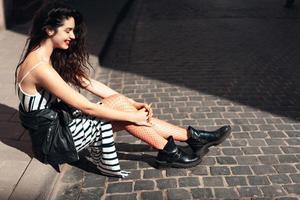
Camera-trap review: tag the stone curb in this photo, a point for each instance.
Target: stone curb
(41, 178)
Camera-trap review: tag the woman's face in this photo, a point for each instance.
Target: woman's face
(64, 35)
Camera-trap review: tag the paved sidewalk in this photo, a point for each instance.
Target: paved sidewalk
(206, 63)
(22, 176)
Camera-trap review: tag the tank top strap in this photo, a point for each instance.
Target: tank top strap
(35, 66)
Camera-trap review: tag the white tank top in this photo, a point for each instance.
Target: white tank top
(41, 100)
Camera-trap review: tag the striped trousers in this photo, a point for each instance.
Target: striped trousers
(97, 136)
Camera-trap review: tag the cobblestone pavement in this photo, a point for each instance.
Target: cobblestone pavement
(206, 63)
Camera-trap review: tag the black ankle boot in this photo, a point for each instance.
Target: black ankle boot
(200, 140)
(173, 156)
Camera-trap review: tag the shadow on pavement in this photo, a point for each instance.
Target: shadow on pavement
(126, 152)
(123, 155)
(242, 51)
(12, 132)
(134, 147)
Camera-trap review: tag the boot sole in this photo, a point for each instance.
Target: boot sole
(205, 149)
(163, 164)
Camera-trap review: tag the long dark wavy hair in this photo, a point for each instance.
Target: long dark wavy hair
(70, 63)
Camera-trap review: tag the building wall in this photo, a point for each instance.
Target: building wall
(17, 11)
(2, 17)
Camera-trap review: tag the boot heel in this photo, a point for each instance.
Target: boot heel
(173, 156)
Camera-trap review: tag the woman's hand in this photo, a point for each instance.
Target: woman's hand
(141, 117)
(140, 106)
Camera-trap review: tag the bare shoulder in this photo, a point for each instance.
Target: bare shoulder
(29, 63)
(45, 71)
(42, 73)
(31, 67)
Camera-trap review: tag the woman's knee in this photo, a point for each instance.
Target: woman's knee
(116, 100)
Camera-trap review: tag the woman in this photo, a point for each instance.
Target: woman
(56, 59)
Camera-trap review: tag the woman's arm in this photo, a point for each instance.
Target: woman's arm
(104, 91)
(97, 88)
(48, 78)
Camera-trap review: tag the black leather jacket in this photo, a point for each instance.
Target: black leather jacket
(52, 141)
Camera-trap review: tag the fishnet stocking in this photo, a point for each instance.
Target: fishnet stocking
(146, 134)
(164, 129)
